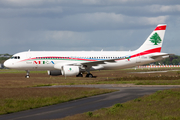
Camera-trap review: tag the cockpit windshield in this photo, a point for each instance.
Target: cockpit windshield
(15, 57)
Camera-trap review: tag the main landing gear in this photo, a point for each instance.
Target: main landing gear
(27, 74)
(89, 75)
(79, 75)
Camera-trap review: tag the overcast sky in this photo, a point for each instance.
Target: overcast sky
(83, 25)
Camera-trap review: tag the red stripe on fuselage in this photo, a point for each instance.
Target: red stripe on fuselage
(147, 52)
(62, 58)
(160, 28)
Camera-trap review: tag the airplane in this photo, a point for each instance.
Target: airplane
(75, 63)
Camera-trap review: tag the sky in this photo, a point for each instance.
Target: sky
(86, 25)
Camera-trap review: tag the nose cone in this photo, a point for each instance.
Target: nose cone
(8, 64)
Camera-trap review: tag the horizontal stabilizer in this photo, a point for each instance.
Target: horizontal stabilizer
(158, 55)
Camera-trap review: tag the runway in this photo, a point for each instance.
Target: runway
(124, 94)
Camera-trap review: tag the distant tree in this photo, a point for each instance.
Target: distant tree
(172, 60)
(2, 59)
(175, 62)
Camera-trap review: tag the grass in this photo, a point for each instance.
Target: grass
(16, 93)
(158, 82)
(162, 105)
(15, 79)
(10, 71)
(19, 99)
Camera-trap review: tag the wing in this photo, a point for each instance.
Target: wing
(95, 63)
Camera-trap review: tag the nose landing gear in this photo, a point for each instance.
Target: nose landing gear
(27, 74)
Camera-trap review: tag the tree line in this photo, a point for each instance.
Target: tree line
(4, 57)
(172, 60)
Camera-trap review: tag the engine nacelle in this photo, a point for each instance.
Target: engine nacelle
(70, 70)
(54, 72)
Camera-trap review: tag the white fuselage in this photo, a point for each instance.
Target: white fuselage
(34, 60)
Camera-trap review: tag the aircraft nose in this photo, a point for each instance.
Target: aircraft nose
(7, 64)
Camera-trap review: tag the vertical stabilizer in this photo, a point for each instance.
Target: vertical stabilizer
(154, 42)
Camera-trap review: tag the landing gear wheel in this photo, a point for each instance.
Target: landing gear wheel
(27, 76)
(89, 75)
(79, 75)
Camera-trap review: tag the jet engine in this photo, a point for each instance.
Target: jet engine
(70, 70)
(54, 72)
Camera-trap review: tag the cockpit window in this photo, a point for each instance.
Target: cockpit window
(15, 57)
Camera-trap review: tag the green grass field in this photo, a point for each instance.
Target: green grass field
(17, 94)
(16, 79)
